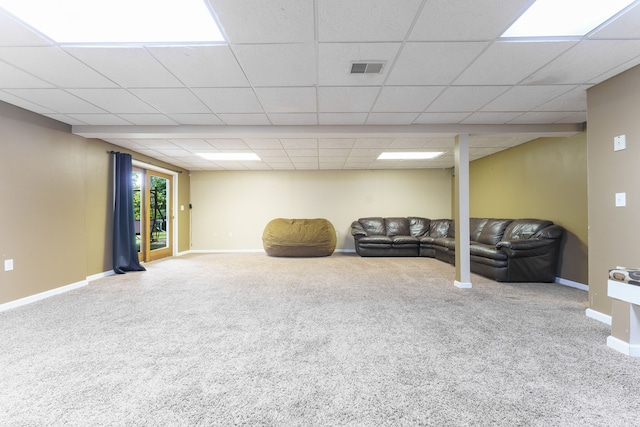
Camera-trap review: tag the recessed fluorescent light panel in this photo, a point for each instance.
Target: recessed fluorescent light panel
(564, 18)
(119, 21)
(230, 156)
(424, 155)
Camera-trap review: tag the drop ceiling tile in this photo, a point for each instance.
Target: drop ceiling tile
(391, 118)
(56, 100)
(294, 119)
(196, 119)
(577, 65)
(244, 119)
(278, 64)
(13, 33)
(433, 63)
(573, 100)
(536, 117)
(295, 154)
(230, 100)
(127, 66)
(490, 118)
(193, 144)
(525, 98)
(365, 20)
(623, 27)
(496, 65)
(15, 78)
(342, 118)
(346, 99)
(366, 152)
(408, 143)
(100, 119)
(23, 103)
(331, 165)
(156, 144)
(267, 157)
(202, 66)
(287, 99)
(406, 98)
(299, 143)
(443, 20)
(171, 100)
(275, 21)
(465, 98)
(335, 59)
(55, 66)
(263, 143)
(176, 153)
(440, 118)
(272, 155)
(371, 143)
(344, 143)
(281, 166)
(66, 119)
(148, 119)
(306, 166)
(234, 144)
(114, 100)
(334, 152)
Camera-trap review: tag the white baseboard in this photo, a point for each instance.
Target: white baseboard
(57, 291)
(37, 297)
(600, 317)
(224, 251)
(462, 285)
(100, 275)
(571, 284)
(623, 347)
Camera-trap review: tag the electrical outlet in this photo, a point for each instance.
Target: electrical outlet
(619, 142)
(8, 264)
(621, 199)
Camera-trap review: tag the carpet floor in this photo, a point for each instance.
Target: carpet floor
(247, 339)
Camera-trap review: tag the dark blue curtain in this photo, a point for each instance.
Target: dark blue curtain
(125, 253)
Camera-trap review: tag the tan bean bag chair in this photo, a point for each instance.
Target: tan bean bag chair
(299, 237)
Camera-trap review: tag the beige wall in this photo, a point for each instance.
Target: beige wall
(55, 203)
(231, 209)
(545, 179)
(613, 109)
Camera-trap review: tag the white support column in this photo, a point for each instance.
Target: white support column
(461, 212)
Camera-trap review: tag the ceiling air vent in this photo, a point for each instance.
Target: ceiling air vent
(366, 67)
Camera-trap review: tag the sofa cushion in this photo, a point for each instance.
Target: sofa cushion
(418, 226)
(486, 251)
(493, 231)
(439, 227)
(374, 226)
(475, 227)
(405, 240)
(446, 242)
(397, 226)
(522, 229)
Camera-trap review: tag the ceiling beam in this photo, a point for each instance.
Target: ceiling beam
(324, 131)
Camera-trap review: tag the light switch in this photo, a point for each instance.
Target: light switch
(621, 199)
(619, 142)
(181, 207)
(8, 264)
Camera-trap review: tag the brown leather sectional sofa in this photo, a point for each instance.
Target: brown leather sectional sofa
(505, 250)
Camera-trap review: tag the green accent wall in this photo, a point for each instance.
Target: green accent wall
(545, 179)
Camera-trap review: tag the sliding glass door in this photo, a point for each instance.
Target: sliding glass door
(152, 210)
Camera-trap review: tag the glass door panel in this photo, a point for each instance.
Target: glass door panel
(137, 177)
(158, 215)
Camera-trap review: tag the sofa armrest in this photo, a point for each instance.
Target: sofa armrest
(525, 248)
(357, 230)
